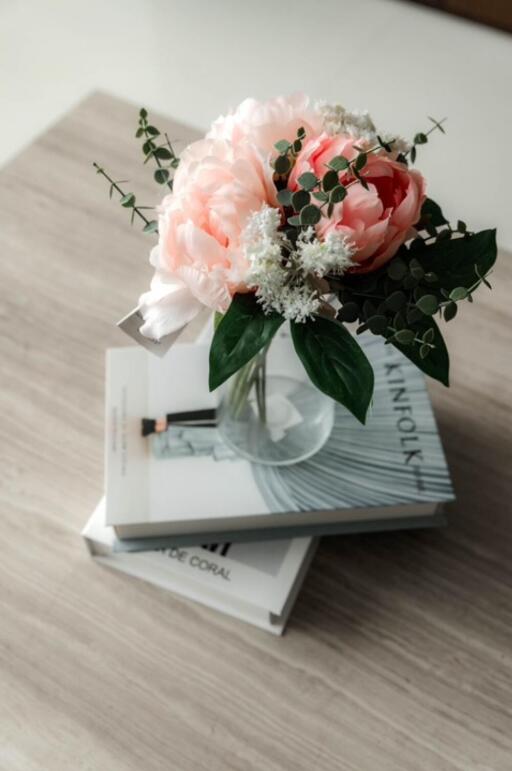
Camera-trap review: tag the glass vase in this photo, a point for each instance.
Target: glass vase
(271, 413)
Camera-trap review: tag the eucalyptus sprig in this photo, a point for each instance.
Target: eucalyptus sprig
(328, 190)
(128, 200)
(427, 276)
(421, 138)
(163, 154)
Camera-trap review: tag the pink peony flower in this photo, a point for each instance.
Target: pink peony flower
(264, 123)
(376, 221)
(199, 260)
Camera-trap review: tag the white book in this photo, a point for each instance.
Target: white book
(254, 582)
(185, 484)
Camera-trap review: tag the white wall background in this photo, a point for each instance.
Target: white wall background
(194, 58)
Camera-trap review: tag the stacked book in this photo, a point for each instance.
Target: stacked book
(182, 511)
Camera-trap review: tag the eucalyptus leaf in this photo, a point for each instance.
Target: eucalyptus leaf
(396, 300)
(300, 199)
(285, 197)
(397, 269)
(428, 304)
(127, 200)
(349, 311)
(310, 215)
(282, 164)
(404, 336)
(161, 176)
(338, 163)
(330, 180)
(450, 311)
(162, 153)
(437, 363)
(338, 193)
(151, 227)
(308, 180)
(377, 324)
(459, 293)
(282, 146)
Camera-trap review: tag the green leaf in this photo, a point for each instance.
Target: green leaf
(413, 315)
(456, 261)
(127, 200)
(243, 331)
(428, 304)
(148, 147)
(310, 215)
(162, 153)
(450, 311)
(413, 154)
(437, 363)
(420, 139)
(482, 278)
(338, 193)
(416, 269)
(397, 269)
(432, 211)
(161, 176)
(282, 164)
(428, 335)
(335, 363)
(404, 337)
(300, 199)
(338, 163)
(139, 132)
(360, 161)
(424, 351)
(151, 227)
(396, 300)
(301, 132)
(143, 113)
(308, 180)
(377, 324)
(282, 146)
(398, 321)
(152, 130)
(285, 197)
(297, 146)
(459, 293)
(349, 312)
(330, 180)
(321, 196)
(294, 221)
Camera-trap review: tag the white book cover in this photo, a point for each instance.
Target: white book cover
(254, 582)
(186, 483)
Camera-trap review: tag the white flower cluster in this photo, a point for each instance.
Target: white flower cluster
(278, 273)
(338, 120)
(333, 255)
(398, 143)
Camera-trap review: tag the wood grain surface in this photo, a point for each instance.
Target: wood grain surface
(398, 656)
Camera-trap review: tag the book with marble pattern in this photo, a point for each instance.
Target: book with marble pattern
(186, 485)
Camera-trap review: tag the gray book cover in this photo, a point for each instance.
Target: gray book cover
(186, 484)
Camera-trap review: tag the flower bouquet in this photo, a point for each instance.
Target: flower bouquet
(289, 212)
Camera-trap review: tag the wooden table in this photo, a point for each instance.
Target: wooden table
(398, 655)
